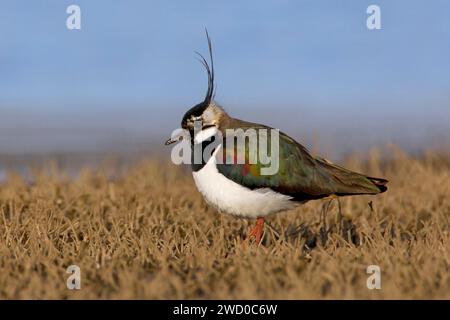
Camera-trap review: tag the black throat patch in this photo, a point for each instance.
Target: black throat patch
(201, 153)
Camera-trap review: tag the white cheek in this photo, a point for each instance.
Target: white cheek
(204, 135)
(208, 115)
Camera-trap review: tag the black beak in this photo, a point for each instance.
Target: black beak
(170, 141)
(175, 138)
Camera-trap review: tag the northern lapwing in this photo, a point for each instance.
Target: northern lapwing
(239, 188)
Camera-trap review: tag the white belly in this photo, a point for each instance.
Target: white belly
(227, 196)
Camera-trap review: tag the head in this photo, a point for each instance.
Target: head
(204, 117)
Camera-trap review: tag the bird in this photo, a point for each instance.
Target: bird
(239, 188)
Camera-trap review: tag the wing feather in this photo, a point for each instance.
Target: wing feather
(300, 175)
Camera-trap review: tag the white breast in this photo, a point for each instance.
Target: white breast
(227, 196)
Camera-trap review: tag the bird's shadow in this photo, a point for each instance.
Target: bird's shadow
(309, 236)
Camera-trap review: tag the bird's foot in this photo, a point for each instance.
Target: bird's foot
(256, 231)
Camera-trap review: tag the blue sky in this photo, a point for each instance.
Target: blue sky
(302, 66)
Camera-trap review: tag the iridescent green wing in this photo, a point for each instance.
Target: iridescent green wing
(293, 172)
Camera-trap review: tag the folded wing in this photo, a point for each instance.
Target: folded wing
(299, 174)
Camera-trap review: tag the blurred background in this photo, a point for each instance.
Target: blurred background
(122, 83)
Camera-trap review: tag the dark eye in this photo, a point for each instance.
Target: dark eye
(196, 120)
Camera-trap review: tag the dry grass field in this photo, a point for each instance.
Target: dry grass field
(143, 232)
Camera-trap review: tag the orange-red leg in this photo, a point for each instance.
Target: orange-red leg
(257, 231)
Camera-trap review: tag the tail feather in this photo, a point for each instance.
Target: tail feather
(352, 183)
(379, 183)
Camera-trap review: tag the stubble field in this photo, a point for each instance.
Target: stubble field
(143, 232)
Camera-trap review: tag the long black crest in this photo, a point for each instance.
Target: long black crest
(209, 70)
